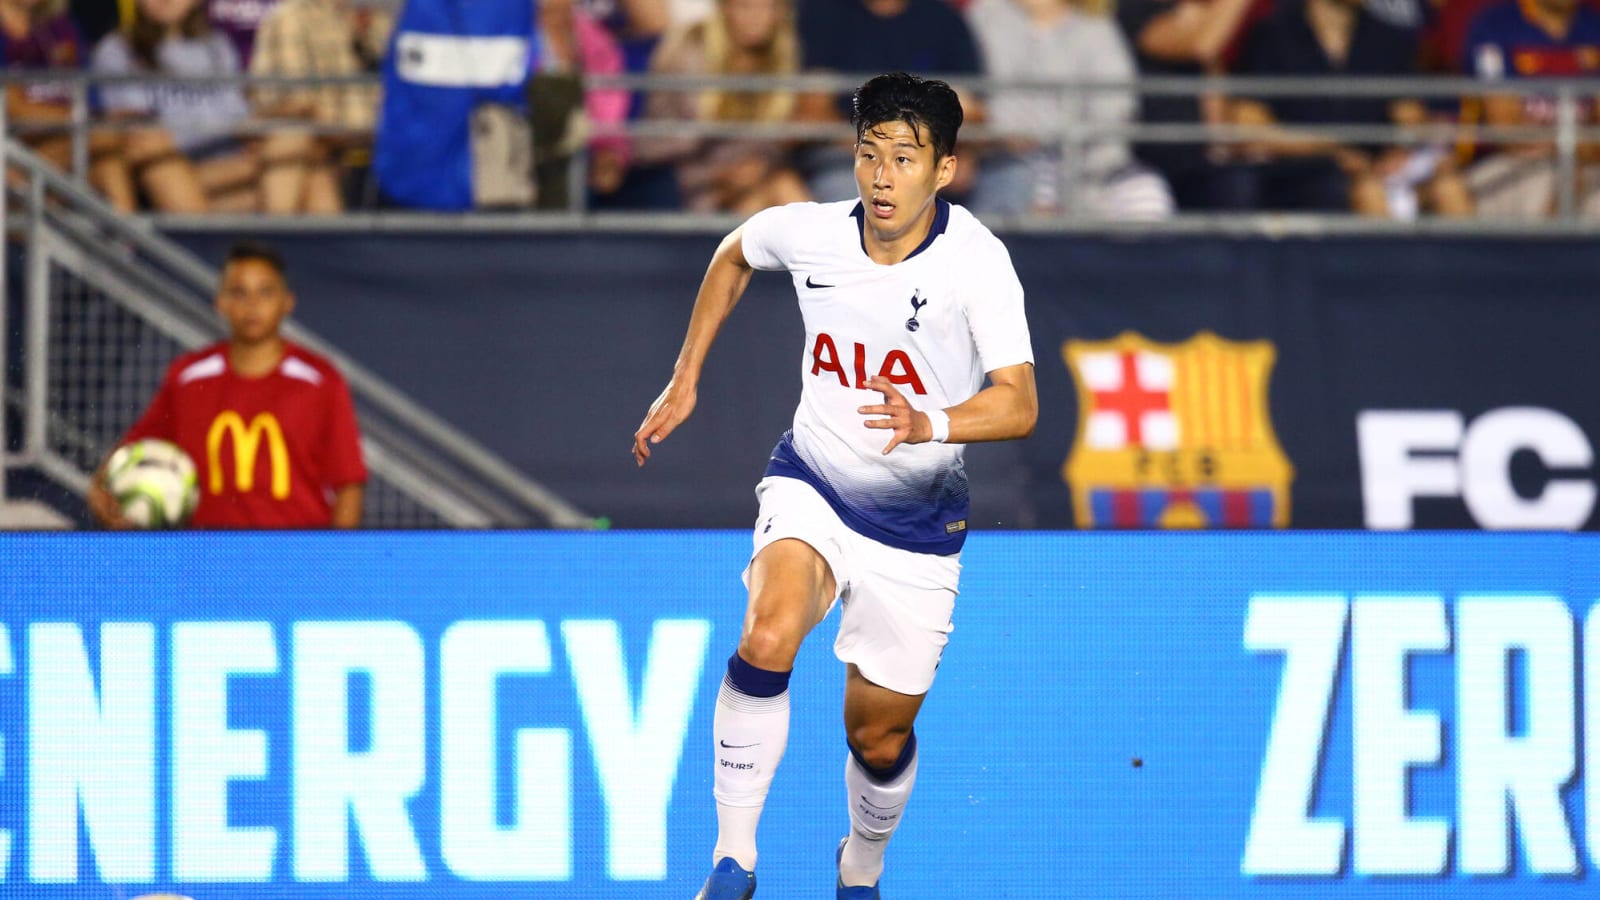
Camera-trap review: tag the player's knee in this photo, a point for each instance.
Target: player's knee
(769, 645)
(878, 747)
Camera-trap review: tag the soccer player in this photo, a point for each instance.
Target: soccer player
(865, 500)
(269, 424)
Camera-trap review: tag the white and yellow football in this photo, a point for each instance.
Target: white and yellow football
(154, 482)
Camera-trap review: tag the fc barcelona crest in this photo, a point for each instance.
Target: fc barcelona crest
(1175, 435)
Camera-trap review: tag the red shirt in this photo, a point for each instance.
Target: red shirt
(269, 451)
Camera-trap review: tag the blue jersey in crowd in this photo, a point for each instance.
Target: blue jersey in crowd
(447, 58)
(1503, 43)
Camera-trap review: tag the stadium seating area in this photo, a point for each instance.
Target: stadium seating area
(193, 106)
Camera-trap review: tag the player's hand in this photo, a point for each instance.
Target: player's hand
(908, 424)
(105, 508)
(666, 414)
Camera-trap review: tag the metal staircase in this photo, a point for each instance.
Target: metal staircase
(106, 303)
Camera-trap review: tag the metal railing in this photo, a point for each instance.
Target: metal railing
(109, 302)
(1566, 134)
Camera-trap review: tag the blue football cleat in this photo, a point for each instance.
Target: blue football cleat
(852, 892)
(728, 882)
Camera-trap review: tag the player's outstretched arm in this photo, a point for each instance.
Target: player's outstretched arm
(720, 290)
(1005, 410)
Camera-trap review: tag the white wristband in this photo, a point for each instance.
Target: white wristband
(939, 420)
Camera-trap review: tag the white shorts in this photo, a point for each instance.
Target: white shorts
(897, 604)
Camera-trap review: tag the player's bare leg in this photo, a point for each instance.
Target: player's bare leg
(791, 588)
(879, 774)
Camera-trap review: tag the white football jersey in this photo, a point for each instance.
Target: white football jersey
(933, 324)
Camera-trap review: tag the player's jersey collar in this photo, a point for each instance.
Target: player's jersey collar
(941, 220)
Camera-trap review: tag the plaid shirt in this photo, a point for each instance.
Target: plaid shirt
(307, 38)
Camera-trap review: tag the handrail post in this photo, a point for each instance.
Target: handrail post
(80, 130)
(36, 321)
(1566, 154)
(1069, 177)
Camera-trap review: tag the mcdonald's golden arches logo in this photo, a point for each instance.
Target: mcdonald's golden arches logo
(246, 443)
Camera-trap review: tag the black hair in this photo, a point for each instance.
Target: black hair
(922, 103)
(259, 251)
(144, 34)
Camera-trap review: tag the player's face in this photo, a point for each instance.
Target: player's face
(898, 177)
(253, 299)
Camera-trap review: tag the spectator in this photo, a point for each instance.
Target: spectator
(36, 35)
(575, 46)
(1071, 42)
(638, 26)
(1445, 31)
(453, 128)
(1185, 39)
(868, 37)
(269, 424)
(1329, 38)
(194, 158)
(321, 38)
(743, 37)
(1536, 39)
(163, 35)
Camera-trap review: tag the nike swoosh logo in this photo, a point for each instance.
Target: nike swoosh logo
(739, 746)
(813, 284)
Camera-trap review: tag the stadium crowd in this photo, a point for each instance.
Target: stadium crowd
(483, 105)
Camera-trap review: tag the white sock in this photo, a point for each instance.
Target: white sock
(875, 811)
(751, 734)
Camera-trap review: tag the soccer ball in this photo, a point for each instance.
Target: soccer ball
(154, 482)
